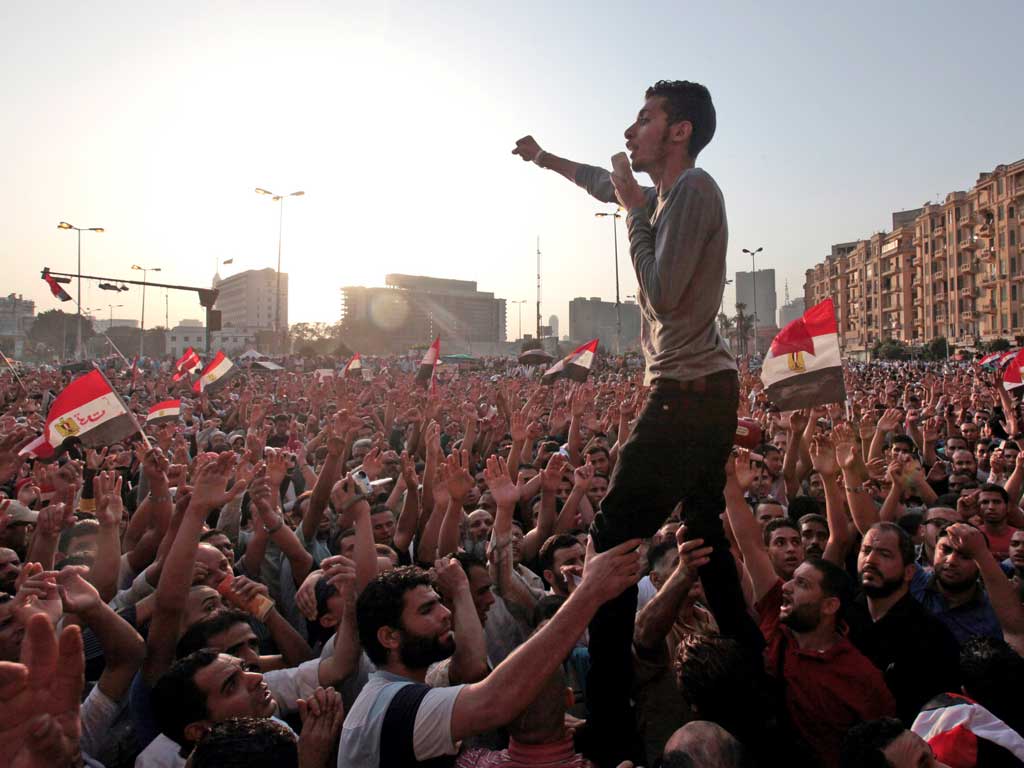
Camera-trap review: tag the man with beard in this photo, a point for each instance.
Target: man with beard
(918, 656)
(952, 593)
(403, 627)
(10, 568)
(828, 685)
(814, 534)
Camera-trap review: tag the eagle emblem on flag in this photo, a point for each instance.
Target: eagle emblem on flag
(66, 427)
(795, 361)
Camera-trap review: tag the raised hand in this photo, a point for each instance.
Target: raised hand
(967, 539)
(106, 487)
(527, 148)
(583, 476)
(449, 578)
(607, 574)
(277, 467)
(847, 451)
(741, 467)
(823, 456)
(551, 476)
(692, 555)
(459, 480)
(373, 463)
(211, 489)
(890, 420)
(77, 595)
(504, 492)
(10, 444)
(322, 715)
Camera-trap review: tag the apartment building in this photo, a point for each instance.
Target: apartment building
(951, 268)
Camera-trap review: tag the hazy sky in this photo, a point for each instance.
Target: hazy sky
(156, 120)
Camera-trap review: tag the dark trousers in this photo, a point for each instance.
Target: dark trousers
(676, 453)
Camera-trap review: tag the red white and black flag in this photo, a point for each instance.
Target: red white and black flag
(215, 375)
(168, 410)
(189, 363)
(1012, 377)
(803, 367)
(576, 365)
(354, 367)
(88, 409)
(55, 287)
(428, 364)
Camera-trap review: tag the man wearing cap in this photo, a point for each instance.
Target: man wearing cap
(15, 535)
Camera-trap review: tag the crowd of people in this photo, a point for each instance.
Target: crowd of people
(261, 584)
(504, 569)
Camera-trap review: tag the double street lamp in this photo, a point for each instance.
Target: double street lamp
(142, 320)
(79, 230)
(615, 216)
(753, 287)
(279, 199)
(519, 311)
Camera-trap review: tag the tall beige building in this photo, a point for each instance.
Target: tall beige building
(952, 268)
(246, 300)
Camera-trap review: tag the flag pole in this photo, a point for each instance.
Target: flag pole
(13, 372)
(114, 347)
(129, 411)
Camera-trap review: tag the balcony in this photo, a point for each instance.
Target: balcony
(967, 315)
(985, 230)
(986, 280)
(966, 269)
(968, 245)
(939, 231)
(988, 309)
(967, 293)
(986, 254)
(965, 221)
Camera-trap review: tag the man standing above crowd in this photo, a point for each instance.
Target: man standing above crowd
(678, 235)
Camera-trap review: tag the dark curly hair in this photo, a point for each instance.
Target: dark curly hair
(380, 605)
(690, 102)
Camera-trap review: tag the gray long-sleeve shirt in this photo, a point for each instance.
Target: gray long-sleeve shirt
(677, 244)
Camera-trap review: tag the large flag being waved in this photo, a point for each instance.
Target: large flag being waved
(1012, 377)
(55, 288)
(168, 410)
(89, 409)
(215, 375)
(576, 365)
(428, 364)
(354, 367)
(803, 367)
(189, 363)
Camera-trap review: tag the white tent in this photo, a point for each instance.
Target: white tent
(252, 354)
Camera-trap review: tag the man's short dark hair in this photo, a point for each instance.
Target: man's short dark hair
(864, 742)
(198, 635)
(774, 525)
(813, 517)
(690, 102)
(82, 528)
(177, 700)
(801, 506)
(905, 543)
(598, 449)
(658, 551)
(993, 488)
(380, 605)
(906, 440)
(551, 546)
(247, 742)
(834, 582)
(992, 674)
(207, 535)
(470, 560)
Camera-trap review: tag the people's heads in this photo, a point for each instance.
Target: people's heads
(212, 565)
(10, 569)
(993, 501)
(220, 540)
(479, 524)
(202, 601)
(885, 743)
(383, 521)
(815, 487)
(719, 679)
(982, 452)
(599, 458)
(959, 482)
(479, 577)
(543, 720)
(768, 509)
(992, 674)
(226, 631)
(556, 553)
(953, 443)
(772, 459)
(814, 534)
(785, 547)
(598, 490)
(662, 559)
(935, 520)
(80, 539)
(1017, 550)
(204, 688)
(903, 446)
(955, 571)
(347, 542)
(402, 621)
(885, 563)
(703, 743)
(818, 591)
(964, 461)
(677, 120)
(1010, 452)
(281, 422)
(246, 742)
(970, 431)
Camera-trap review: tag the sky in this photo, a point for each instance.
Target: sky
(158, 120)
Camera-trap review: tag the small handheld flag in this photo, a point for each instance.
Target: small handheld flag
(576, 365)
(428, 364)
(803, 367)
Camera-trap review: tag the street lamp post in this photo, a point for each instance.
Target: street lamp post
(753, 287)
(280, 227)
(79, 230)
(110, 321)
(142, 320)
(615, 216)
(519, 315)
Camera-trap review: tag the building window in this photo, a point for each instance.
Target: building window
(999, 213)
(999, 185)
(1013, 237)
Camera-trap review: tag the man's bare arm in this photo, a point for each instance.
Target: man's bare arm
(528, 149)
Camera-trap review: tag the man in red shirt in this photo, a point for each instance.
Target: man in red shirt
(828, 685)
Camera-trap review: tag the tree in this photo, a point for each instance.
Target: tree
(890, 349)
(744, 327)
(998, 345)
(936, 349)
(726, 325)
(57, 330)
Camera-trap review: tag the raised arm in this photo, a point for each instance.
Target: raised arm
(506, 495)
(654, 621)
(459, 482)
(549, 480)
(469, 662)
(529, 150)
(738, 473)
(409, 517)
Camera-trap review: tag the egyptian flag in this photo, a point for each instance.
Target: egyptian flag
(189, 363)
(576, 365)
(168, 410)
(1012, 377)
(218, 373)
(428, 364)
(803, 367)
(354, 367)
(1007, 356)
(87, 409)
(964, 734)
(55, 287)
(990, 359)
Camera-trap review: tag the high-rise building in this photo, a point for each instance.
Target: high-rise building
(246, 300)
(791, 311)
(765, 305)
(412, 310)
(593, 318)
(16, 317)
(952, 268)
(553, 325)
